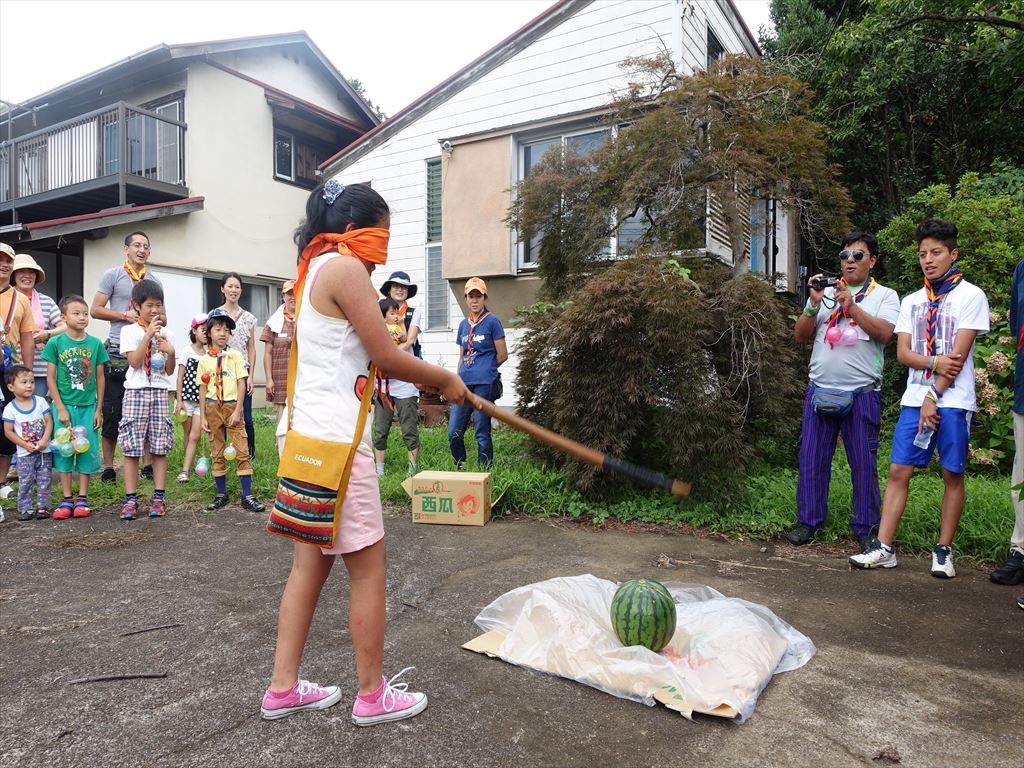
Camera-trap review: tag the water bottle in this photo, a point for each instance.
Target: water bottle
(924, 437)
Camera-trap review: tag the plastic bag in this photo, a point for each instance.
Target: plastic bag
(724, 650)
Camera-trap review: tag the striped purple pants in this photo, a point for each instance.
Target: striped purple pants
(859, 429)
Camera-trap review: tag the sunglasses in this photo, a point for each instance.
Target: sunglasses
(855, 255)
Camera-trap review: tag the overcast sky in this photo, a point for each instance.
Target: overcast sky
(399, 49)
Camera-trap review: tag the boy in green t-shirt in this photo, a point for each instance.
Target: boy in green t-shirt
(74, 375)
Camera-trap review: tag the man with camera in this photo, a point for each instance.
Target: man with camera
(850, 319)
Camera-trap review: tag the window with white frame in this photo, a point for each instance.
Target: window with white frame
(581, 141)
(284, 155)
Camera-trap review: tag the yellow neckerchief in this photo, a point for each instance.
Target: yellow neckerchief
(135, 276)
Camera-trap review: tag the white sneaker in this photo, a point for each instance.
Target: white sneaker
(6, 491)
(877, 556)
(942, 562)
(2, 518)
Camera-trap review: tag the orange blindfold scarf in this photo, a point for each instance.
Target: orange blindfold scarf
(369, 244)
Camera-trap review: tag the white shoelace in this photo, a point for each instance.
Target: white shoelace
(393, 691)
(306, 688)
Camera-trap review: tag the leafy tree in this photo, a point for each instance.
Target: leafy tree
(733, 133)
(913, 92)
(358, 87)
(669, 363)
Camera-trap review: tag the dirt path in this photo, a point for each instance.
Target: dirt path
(932, 669)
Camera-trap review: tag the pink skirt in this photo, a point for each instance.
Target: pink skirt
(362, 522)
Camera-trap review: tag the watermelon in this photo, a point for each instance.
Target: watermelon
(644, 613)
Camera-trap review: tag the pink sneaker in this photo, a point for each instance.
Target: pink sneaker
(304, 696)
(391, 702)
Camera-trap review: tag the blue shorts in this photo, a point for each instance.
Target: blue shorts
(951, 439)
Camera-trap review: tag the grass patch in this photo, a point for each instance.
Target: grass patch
(527, 487)
(531, 488)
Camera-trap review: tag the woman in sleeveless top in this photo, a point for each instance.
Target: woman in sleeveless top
(338, 331)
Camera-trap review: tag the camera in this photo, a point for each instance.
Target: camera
(824, 282)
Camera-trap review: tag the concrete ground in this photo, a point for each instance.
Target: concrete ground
(908, 667)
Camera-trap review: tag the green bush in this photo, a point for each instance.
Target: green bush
(676, 366)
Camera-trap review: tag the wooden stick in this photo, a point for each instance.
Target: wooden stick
(150, 629)
(104, 678)
(579, 451)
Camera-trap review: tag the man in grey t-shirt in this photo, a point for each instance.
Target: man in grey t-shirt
(849, 325)
(115, 290)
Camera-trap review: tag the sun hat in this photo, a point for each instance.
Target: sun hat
(221, 314)
(199, 319)
(288, 286)
(6, 250)
(398, 278)
(475, 283)
(24, 261)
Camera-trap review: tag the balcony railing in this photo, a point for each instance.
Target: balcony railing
(90, 147)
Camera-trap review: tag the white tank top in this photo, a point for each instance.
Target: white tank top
(331, 372)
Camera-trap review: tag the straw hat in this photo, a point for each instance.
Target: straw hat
(24, 261)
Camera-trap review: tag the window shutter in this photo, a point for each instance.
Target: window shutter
(437, 291)
(434, 201)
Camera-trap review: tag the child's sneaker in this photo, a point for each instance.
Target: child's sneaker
(26, 515)
(877, 556)
(304, 696)
(42, 514)
(252, 504)
(63, 512)
(157, 507)
(130, 510)
(81, 509)
(942, 562)
(393, 702)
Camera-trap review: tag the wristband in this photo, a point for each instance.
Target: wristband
(931, 364)
(811, 309)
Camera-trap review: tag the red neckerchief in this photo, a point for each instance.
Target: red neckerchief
(472, 327)
(135, 276)
(841, 311)
(218, 376)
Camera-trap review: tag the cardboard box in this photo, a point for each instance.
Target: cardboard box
(450, 498)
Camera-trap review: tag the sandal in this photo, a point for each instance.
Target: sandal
(63, 512)
(183, 476)
(81, 509)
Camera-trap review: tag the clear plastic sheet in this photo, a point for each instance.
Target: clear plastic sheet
(724, 651)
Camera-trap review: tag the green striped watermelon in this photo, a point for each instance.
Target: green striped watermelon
(644, 613)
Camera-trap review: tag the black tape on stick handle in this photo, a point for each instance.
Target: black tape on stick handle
(642, 475)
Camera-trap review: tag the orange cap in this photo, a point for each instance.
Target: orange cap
(288, 286)
(475, 283)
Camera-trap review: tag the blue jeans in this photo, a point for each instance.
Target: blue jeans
(458, 420)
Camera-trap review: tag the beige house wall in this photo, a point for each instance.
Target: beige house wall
(475, 179)
(294, 70)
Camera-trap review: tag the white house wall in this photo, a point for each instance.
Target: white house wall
(573, 67)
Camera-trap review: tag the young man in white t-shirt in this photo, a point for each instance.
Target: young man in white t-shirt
(937, 327)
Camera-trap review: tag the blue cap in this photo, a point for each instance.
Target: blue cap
(221, 314)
